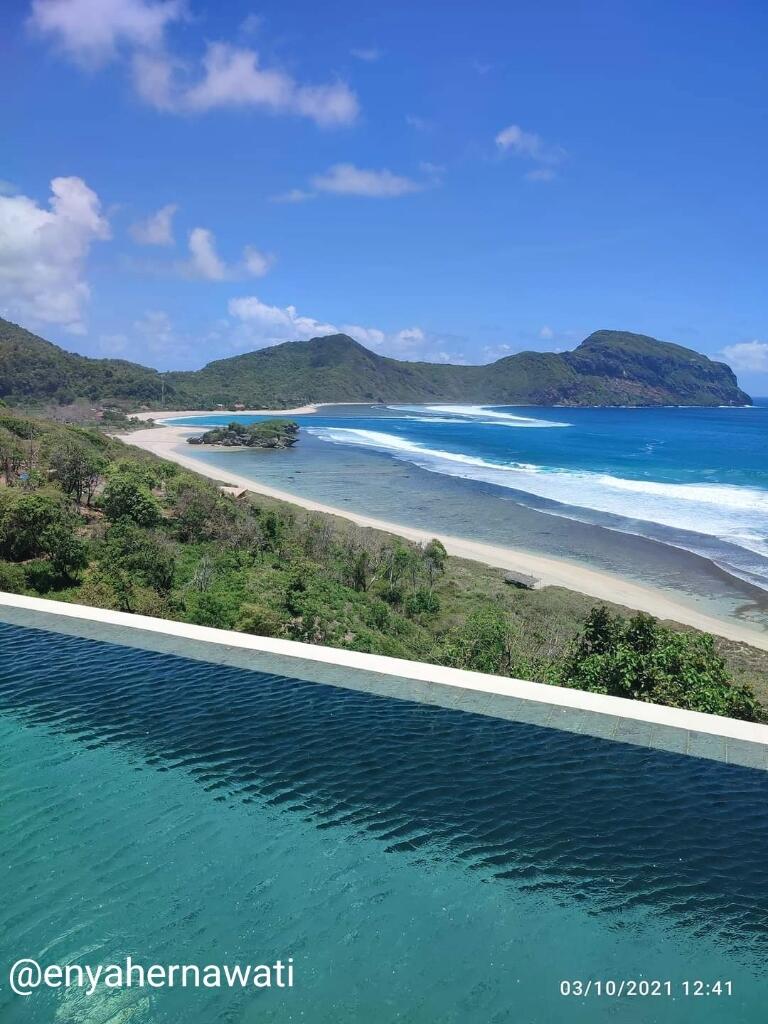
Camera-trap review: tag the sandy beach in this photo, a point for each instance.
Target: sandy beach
(165, 442)
(301, 410)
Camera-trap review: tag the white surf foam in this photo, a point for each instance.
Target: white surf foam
(736, 515)
(473, 412)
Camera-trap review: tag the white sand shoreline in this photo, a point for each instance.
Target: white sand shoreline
(300, 410)
(164, 442)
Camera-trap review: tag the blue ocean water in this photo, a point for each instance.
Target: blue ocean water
(693, 480)
(418, 863)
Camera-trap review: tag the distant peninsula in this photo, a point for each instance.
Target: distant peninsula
(266, 434)
(609, 368)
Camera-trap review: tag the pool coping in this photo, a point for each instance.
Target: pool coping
(617, 718)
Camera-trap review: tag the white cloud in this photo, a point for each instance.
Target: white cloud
(368, 54)
(204, 260)
(541, 174)
(157, 229)
(371, 337)
(232, 77)
(259, 325)
(531, 146)
(43, 253)
(293, 195)
(419, 123)
(748, 356)
(346, 179)
(256, 263)
(153, 79)
(269, 325)
(251, 24)
(92, 31)
(546, 333)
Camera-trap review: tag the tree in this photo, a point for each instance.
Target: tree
(434, 556)
(25, 520)
(194, 505)
(66, 552)
(482, 643)
(11, 456)
(124, 498)
(640, 659)
(145, 557)
(77, 470)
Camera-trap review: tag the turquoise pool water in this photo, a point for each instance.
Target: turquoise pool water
(418, 863)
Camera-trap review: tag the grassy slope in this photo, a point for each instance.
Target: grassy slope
(551, 616)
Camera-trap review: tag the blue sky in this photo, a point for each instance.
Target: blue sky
(183, 181)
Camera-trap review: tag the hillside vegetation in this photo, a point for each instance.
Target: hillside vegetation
(608, 368)
(84, 518)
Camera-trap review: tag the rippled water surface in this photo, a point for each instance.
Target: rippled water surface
(419, 864)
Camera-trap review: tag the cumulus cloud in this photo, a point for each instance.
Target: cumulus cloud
(346, 179)
(204, 260)
(233, 77)
(256, 263)
(91, 32)
(94, 32)
(258, 325)
(748, 356)
(528, 145)
(157, 229)
(43, 253)
(268, 325)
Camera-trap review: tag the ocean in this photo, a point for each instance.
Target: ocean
(672, 497)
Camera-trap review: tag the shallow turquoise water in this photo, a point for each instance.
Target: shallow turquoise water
(419, 864)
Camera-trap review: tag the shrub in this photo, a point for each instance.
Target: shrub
(12, 578)
(640, 659)
(124, 498)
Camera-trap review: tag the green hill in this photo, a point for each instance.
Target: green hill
(608, 368)
(33, 370)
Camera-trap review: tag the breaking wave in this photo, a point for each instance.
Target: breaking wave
(735, 515)
(473, 413)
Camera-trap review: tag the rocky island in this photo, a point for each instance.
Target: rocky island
(266, 434)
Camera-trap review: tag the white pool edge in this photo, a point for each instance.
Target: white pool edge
(400, 668)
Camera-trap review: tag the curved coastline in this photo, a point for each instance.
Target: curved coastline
(165, 440)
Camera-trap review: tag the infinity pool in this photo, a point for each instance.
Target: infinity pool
(419, 863)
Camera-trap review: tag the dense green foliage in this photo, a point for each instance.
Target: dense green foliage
(266, 434)
(83, 518)
(34, 370)
(609, 368)
(640, 659)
